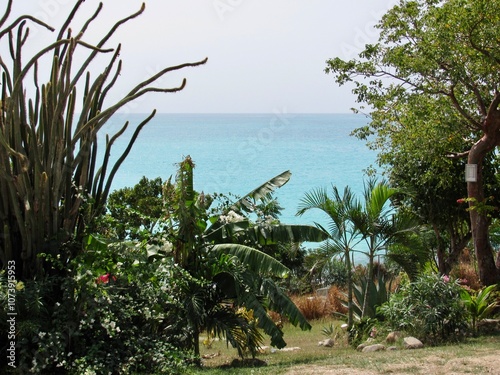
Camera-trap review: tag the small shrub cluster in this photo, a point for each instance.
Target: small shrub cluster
(429, 308)
(312, 307)
(335, 302)
(118, 312)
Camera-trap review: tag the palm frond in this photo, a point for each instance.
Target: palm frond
(251, 302)
(315, 199)
(238, 331)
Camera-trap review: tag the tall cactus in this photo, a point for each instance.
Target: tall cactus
(49, 166)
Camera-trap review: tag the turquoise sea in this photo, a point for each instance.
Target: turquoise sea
(238, 152)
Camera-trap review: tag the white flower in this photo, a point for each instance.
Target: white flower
(231, 217)
(167, 246)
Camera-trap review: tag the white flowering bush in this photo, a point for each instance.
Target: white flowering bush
(119, 312)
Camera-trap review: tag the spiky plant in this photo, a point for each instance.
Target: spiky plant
(52, 180)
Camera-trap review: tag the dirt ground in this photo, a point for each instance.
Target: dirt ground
(477, 363)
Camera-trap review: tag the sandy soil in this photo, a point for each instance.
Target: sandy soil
(477, 363)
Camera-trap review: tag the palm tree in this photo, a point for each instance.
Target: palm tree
(380, 225)
(343, 235)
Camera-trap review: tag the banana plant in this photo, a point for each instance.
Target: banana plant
(224, 252)
(52, 180)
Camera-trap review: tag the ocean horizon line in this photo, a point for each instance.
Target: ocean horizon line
(243, 113)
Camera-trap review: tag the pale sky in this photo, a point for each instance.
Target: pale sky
(263, 55)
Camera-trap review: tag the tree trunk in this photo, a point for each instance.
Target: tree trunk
(350, 316)
(369, 280)
(480, 222)
(440, 252)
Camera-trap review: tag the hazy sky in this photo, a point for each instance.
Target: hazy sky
(263, 55)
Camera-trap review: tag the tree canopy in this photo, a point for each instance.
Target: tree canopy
(435, 69)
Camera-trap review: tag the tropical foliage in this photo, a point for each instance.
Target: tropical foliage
(369, 295)
(435, 67)
(429, 308)
(352, 222)
(134, 213)
(221, 250)
(129, 281)
(343, 236)
(478, 304)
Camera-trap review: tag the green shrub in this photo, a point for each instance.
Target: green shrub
(478, 304)
(361, 330)
(429, 308)
(118, 312)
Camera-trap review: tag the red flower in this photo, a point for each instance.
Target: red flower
(104, 279)
(461, 200)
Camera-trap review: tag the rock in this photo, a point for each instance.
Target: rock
(412, 343)
(344, 327)
(361, 346)
(373, 348)
(328, 343)
(264, 349)
(390, 348)
(392, 337)
(292, 349)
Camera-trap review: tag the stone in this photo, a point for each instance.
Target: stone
(360, 347)
(291, 349)
(373, 348)
(264, 349)
(392, 337)
(391, 348)
(344, 327)
(328, 343)
(412, 343)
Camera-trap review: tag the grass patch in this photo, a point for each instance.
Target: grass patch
(471, 357)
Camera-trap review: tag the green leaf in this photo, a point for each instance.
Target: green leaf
(247, 203)
(256, 260)
(283, 233)
(93, 242)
